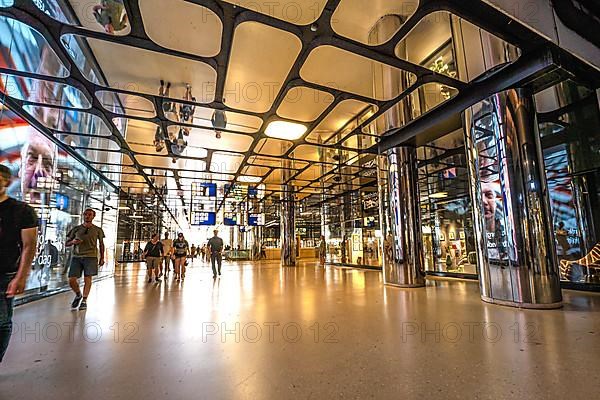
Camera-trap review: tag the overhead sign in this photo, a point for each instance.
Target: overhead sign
(203, 218)
(238, 192)
(256, 219)
(203, 203)
(229, 219)
(204, 189)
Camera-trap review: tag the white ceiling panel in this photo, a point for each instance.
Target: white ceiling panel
(140, 70)
(261, 58)
(328, 66)
(192, 21)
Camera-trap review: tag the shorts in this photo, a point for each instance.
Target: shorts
(180, 255)
(153, 262)
(87, 265)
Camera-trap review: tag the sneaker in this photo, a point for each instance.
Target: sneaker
(76, 302)
(157, 280)
(149, 280)
(83, 305)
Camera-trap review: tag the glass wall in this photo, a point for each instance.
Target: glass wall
(446, 212)
(569, 125)
(59, 187)
(351, 226)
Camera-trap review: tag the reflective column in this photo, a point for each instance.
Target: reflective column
(287, 222)
(516, 254)
(400, 218)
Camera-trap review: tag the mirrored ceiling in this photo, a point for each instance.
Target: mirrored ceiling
(252, 92)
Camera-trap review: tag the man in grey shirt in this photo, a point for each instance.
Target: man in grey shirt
(215, 246)
(86, 238)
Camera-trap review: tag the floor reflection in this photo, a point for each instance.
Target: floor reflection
(262, 331)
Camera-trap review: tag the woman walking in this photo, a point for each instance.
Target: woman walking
(181, 249)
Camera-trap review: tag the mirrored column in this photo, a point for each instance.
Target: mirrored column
(516, 254)
(287, 222)
(400, 218)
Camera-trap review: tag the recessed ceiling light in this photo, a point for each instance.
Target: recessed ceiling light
(249, 179)
(285, 130)
(438, 195)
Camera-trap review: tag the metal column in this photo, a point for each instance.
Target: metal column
(516, 252)
(401, 218)
(287, 222)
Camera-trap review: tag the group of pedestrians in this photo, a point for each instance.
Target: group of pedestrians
(170, 253)
(175, 253)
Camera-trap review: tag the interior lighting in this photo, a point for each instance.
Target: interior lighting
(438, 195)
(249, 179)
(285, 130)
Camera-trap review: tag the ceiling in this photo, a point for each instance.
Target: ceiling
(308, 68)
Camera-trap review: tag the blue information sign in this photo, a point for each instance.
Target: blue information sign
(204, 218)
(256, 219)
(229, 221)
(211, 189)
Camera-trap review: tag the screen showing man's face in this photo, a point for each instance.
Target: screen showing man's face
(37, 163)
(489, 200)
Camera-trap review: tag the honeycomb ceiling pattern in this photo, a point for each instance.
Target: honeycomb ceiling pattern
(313, 63)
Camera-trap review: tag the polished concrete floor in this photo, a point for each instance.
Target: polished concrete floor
(263, 332)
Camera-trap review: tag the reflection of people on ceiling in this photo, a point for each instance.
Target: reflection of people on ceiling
(165, 91)
(186, 112)
(159, 144)
(219, 121)
(37, 163)
(111, 15)
(179, 144)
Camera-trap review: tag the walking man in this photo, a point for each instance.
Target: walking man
(215, 246)
(85, 239)
(153, 253)
(167, 245)
(18, 236)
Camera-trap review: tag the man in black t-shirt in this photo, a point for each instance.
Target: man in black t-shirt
(153, 253)
(18, 235)
(215, 245)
